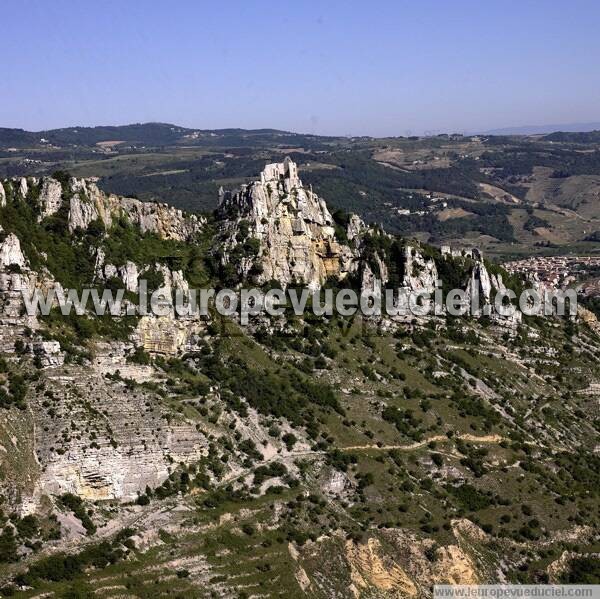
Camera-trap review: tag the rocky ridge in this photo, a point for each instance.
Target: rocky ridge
(293, 230)
(275, 229)
(116, 423)
(84, 203)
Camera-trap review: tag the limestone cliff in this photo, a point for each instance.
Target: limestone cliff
(84, 202)
(109, 444)
(417, 273)
(16, 277)
(50, 198)
(89, 203)
(277, 229)
(482, 288)
(74, 204)
(420, 273)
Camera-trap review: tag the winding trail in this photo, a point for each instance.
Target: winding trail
(418, 444)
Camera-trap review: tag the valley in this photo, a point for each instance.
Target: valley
(307, 455)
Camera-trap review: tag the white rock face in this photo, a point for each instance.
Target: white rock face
(166, 334)
(419, 273)
(16, 281)
(173, 279)
(473, 253)
(369, 282)
(479, 283)
(110, 271)
(167, 222)
(497, 282)
(49, 352)
(293, 231)
(356, 227)
(10, 252)
(81, 213)
(23, 187)
(99, 265)
(481, 291)
(132, 446)
(129, 274)
(335, 482)
(50, 198)
(373, 281)
(90, 203)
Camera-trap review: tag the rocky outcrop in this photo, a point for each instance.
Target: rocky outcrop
(101, 442)
(355, 228)
(409, 571)
(82, 213)
(589, 318)
(166, 221)
(455, 252)
(48, 353)
(89, 203)
(10, 252)
(23, 187)
(50, 198)
(479, 287)
(168, 335)
(420, 273)
(129, 274)
(481, 291)
(276, 229)
(368, 569)
(16, 280)
(370, 283)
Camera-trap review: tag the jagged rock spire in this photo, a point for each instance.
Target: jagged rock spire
(294, 232)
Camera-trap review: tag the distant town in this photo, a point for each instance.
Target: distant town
(562, 271)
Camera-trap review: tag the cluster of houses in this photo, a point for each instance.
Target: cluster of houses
(561, 271)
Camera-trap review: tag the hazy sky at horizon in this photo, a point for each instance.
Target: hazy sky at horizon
(374, 68)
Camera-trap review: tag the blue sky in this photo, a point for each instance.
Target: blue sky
(376, 68)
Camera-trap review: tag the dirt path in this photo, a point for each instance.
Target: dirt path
(417, 444)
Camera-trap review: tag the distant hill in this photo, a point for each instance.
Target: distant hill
(581, 137)
(147, 134)
(167, 134)
(151, 133)
(542, 129)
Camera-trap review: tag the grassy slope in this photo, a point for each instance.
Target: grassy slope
(528, 460)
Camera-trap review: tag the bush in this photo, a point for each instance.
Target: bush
(583, 570)
(290, 440)
(8, 546)
(139, 356)
(469, 497)
(75, 504)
